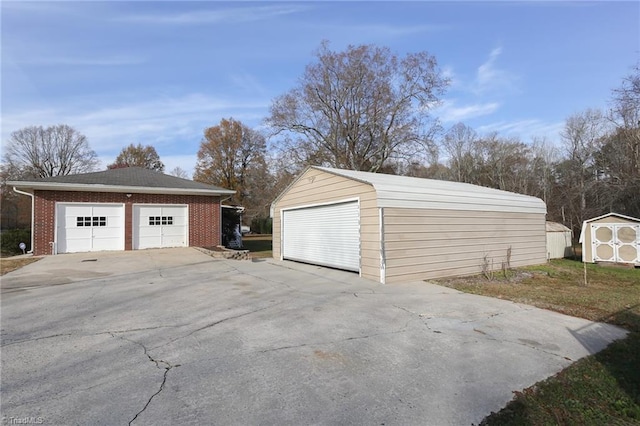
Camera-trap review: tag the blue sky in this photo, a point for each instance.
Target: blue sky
(158, 73)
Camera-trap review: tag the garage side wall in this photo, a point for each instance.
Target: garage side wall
(317, 187)
(558, 244)
(204, 214)
(427, 244)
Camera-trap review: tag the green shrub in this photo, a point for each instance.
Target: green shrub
(261, 225)
(10, 239)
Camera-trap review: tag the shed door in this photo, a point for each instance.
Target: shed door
(616, 243)
(159, 226)
(89, 227)
(327, 235)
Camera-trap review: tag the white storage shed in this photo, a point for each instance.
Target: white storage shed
(397, 228)
(559, 241)
(611, 237)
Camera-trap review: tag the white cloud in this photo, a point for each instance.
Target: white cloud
(229, 15)
(248, 83)
(491, 78)
(173, 125)
(81, 61)
(449, 112)
(525, 129)
(395, 30)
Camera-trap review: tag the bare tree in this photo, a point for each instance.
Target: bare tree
(459, 143)
(359, 108)
(545, 156)
(618, 161)
(52, 151)
(582, 136)
(179, 172)
(138, 156)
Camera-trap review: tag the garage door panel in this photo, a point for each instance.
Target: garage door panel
(324, 235)
(76, 245)
(78, 233)
(105, 232)
(173, 210)
(113, 211)
(150, 211)
(89, 227)
(76, 210)
(149, 231)
(160, 226)
(174, 231)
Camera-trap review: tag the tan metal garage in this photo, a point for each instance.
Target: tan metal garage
(404, 228)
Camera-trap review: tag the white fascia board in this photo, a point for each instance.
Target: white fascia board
(635, 219)
(55, 186)
(582, 231)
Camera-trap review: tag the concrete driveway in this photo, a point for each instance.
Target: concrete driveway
(164, 337)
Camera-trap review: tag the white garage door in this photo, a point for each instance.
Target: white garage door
(89, 227)
(158, 226)
(326, 235)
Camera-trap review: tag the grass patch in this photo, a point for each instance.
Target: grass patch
(600, 389)
(612, 294)
(259, 245)
(9, 265)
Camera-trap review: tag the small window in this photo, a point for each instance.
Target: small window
(91, 221)
(160, 220)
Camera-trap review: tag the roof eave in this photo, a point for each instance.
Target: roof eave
(55, 186)
(611, 214)
(284, 191)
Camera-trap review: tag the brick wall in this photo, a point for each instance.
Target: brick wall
(204, 214)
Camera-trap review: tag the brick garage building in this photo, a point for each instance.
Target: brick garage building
(122, 209)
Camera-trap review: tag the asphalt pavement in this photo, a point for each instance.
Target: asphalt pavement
(173, 336)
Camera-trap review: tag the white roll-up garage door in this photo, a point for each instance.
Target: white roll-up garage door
(89, 227)
(158, 226)
(327, 235)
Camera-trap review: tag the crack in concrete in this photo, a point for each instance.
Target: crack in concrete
(423, 317)
(159, 363)
(357, 293)
(532, 347)
(35, 339)
(270, 280)
(333, 342)
(78, 334)
(204, 327)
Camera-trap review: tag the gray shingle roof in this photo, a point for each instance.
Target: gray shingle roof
(126, 177)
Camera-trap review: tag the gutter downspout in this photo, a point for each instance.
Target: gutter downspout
(383, 257)
(33, 214)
